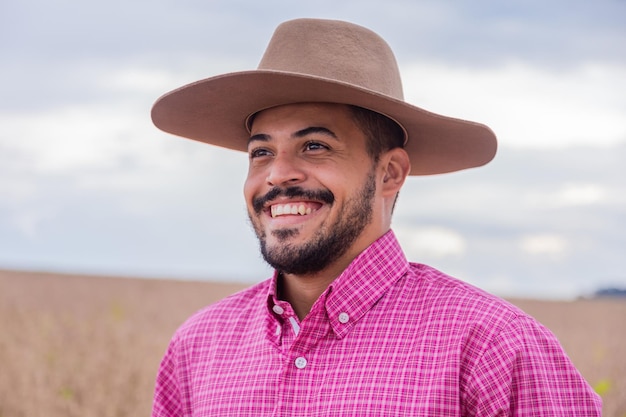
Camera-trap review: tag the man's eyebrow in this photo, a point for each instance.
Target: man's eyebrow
(262, 137)
(314, 129)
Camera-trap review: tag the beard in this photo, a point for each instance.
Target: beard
(329, 243)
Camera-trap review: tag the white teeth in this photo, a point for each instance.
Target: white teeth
(283, 209)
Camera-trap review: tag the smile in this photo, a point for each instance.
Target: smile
(295, 208)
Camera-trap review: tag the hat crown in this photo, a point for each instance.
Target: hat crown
(334, 50)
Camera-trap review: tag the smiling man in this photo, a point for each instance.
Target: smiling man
(347, 326)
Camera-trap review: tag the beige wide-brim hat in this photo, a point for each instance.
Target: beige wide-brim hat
(313, 60)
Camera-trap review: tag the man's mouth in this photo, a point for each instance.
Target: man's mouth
(302, 208)
(295, 201)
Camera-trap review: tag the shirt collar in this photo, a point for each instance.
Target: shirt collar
(353, 293)
(364, 282)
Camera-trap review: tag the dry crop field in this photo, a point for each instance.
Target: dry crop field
(74, 346)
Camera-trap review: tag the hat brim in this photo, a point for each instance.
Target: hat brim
(215, 110)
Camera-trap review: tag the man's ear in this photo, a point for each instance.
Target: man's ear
(396, 167)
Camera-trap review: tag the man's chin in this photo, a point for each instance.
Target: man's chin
(284, 235)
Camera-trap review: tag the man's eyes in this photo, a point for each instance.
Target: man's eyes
(259, 152)
(307, 147)
(314, 146)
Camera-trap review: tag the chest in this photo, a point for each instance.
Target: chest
(379, 369)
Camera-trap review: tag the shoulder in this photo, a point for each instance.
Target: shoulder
(509, 361)
(472, 319)
(441, 293)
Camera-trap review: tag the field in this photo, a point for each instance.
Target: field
(75, 346)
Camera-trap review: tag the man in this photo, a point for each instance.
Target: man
(347, 326)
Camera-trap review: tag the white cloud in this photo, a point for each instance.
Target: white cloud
(570, 195)
(135, 79)
(430, 241)
(67, 139)
(78, 139)
(551, 245)
(527, 106)
(581, 194)
(108, 126)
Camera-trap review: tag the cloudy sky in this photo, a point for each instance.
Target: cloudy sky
(89, 185)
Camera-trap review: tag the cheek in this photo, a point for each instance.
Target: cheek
(253, 186)
(248, 189)
(248, 186)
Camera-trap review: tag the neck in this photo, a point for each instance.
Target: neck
(302, 291)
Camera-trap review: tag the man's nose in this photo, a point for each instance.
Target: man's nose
(285, 170)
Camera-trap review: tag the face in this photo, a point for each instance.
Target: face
(311, 187)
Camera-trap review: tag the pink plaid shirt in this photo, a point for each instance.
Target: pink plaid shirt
(387, 338)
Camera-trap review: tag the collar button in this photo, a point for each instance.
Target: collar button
(344, 318)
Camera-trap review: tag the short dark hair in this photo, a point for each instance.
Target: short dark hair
(382, 132)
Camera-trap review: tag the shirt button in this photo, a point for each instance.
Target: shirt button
(278, 309)
(344, 318)
(300, 362)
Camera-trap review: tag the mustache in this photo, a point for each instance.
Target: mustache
(324, 196)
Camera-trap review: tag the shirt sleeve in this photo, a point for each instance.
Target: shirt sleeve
(525, 372)
(168, 401)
